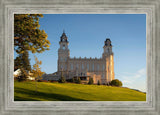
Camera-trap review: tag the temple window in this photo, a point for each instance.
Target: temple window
(82, 66)
(97, 67)
(93, 67)
(88, 66)
(71, 66)
(77, 66)
(103, 66)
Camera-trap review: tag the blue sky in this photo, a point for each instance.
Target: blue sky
(86, 34)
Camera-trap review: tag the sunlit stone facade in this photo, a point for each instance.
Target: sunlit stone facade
(101, 69)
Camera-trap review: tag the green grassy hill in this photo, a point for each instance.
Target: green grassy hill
(25, 91)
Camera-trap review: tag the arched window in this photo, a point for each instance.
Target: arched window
(77, 66)
(103, 67)
(93, 67)
(71, 66)
(98, 67)
(82, 66)
(103, 76)
(61, 67)
(88, 66)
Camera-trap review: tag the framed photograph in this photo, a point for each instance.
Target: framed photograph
(91, 57)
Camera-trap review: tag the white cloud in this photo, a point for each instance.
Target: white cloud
(140, 73)
(134, 80)
(126, 81)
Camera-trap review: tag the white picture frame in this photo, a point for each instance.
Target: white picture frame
(149, 107)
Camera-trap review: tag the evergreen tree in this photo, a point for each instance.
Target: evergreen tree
(79, 81)
(22, 62)
(90, 81)
(62, 79)
(98, 83)
(23, 76)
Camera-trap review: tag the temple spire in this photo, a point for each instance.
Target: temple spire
(63, 37)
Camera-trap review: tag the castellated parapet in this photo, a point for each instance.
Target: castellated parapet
(101, 69)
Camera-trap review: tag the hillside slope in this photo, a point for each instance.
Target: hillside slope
(25, 91)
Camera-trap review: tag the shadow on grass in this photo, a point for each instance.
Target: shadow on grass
(31, 95)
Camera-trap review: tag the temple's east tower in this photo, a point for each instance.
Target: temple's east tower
(109, 61)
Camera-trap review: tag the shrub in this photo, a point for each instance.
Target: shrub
(98, 83)
(40, 80)
(116, 82)
(79, 81)
(90, 81)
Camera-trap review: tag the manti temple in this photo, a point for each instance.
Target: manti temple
(101, 69)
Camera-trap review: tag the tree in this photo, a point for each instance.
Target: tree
(22, 62)
(116, 82)
(27, 35)
(62, 79)
(98, 83)
(90, 81)
(79, 81)
(23, 75)
(37, 73)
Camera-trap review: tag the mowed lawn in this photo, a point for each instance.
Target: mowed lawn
(25, 91)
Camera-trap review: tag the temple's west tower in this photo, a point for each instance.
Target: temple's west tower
(63, 53)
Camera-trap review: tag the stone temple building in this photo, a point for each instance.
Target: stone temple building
(101, 69)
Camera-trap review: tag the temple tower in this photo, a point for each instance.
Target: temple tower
(109, 61)
(63, 53)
